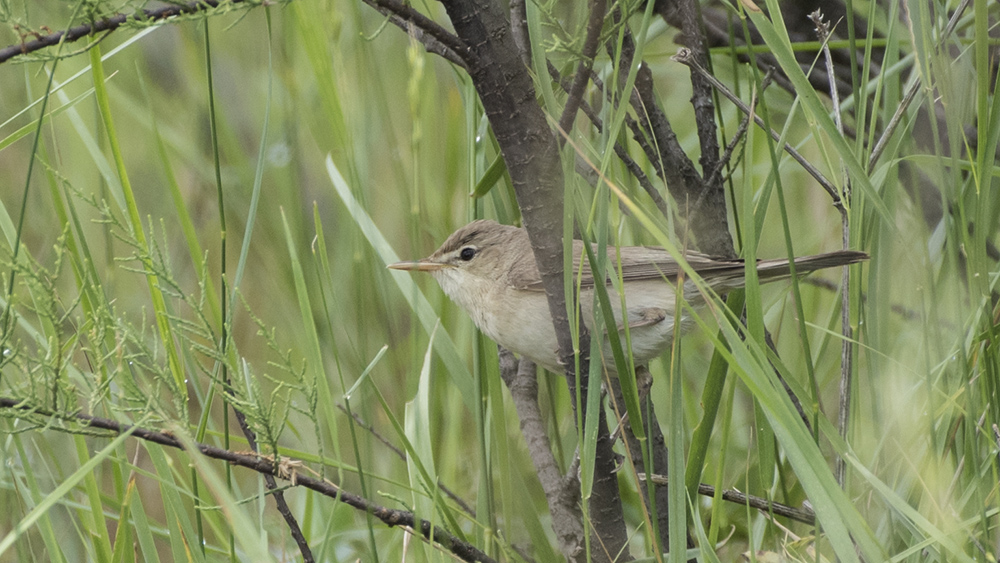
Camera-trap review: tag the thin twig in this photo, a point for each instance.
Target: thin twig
(673, 163)
(435, 38)
(401, 455)
(371, 430)
(846, 348)
(267, 466)
(108, 24)
(731, 147)
(911, 94)
(630, 164)
(769, 340)
(742, 129)
(803, 514)
(683, 57)
(701, 91)
(430, 43)
(272, 485)
(897, 118)
(637, 132)
(594, 25)
(649, 454)
(708, 220)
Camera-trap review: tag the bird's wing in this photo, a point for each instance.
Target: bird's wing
(637, 263)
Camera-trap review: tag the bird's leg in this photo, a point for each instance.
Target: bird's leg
(643, 382)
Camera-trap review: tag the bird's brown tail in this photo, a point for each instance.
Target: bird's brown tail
(778, 268)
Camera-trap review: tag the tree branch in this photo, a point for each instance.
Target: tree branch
(846, 330)
(108, 24)
(683, 57)
(597, 10)
(638, 135)
(623, 155)
(563, 495)
(658, 453)
(532, 156)
(703, 208)
(284, 468)
(701, 93)
(435, 38)
(803, 515)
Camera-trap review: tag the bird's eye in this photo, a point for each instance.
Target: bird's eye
(467, 253)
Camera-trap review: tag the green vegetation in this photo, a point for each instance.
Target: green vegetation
(197, 216)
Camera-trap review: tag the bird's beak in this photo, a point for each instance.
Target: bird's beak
(424, 265)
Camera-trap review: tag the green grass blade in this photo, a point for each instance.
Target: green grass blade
(417, 425)
(711, 397)
(777, 39)
(85, 471)
(46, 529)
(457, 370)
(98, 527)
(253, 544)
(492, 175)
(159, 304)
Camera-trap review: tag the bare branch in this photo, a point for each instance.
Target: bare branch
(267, 466)
(804, 514)
(897, 117)
(683, 58)
(657, 447)
(731, 147)
(531, 153)
(562, 494)
(623, 155)
(108, 24)
(434, 38)
(598, 8)
(846, 347)
(402, 456)
(272, 485)
(703, 208)
(637, 132)
(701, 91)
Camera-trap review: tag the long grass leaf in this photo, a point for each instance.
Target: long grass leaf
(83, 472)
(776, 37)
(457, 370)
(252, 543)
(159, 304)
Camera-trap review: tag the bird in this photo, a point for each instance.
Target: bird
(489, 270)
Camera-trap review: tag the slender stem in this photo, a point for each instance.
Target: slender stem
(846, 348)
(683, 57)
(803, 515)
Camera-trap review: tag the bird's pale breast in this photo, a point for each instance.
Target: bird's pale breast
(523, 324)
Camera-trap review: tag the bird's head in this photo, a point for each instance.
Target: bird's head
(478, 252)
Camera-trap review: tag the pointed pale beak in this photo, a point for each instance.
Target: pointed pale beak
(419, 266)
